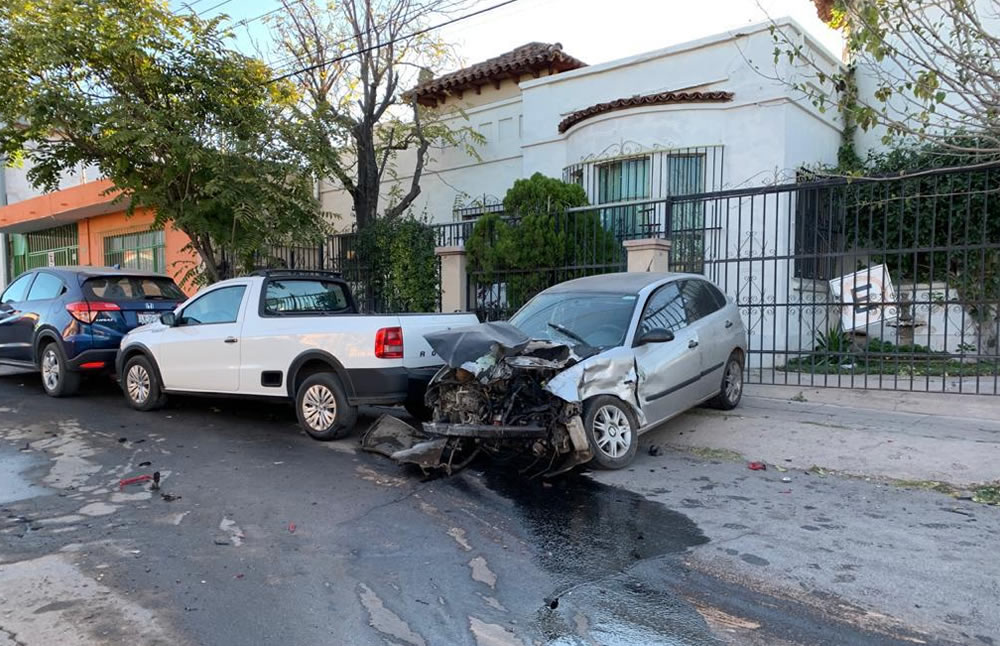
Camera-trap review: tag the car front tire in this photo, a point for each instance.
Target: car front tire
(731, 389)
(57, 378)
(612, 431)
(322, 407)
(141, 386)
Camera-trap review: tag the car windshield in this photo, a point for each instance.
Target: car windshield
(126, 288)
(600, 320)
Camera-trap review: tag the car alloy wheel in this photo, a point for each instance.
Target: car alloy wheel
(138, 384)
(733, 381)
(50, 369)
(612, 431)
(319, 407)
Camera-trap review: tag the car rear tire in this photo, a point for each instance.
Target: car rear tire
(57, 378)
(731, 389)
(322, 407)
(612, 431)
(141, 386)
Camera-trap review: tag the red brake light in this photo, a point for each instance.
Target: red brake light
(88, 312)
(389, 343)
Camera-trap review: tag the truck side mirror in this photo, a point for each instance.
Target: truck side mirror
(169, 319)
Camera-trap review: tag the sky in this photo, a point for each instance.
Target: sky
(594, 31)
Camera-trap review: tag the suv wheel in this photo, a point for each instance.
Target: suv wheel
(322, 407)
(57, 379)
(142, 389)
(612, 431)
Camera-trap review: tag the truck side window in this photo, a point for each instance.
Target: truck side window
(217, 306)
(303, 296)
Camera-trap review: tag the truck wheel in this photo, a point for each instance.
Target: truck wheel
(322, 407)
(142, 389)
(612, 431)
(57, 379)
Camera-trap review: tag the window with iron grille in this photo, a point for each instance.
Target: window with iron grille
(142, 250)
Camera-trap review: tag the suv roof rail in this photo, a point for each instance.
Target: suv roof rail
(270, 273)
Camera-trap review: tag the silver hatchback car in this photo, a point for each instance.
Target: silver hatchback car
(664, 343)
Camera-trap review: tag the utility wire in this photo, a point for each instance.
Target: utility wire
(386, 44)
(215, 6)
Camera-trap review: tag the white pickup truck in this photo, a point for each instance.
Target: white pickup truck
(284, 334)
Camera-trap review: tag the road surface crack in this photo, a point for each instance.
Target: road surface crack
(12, 636)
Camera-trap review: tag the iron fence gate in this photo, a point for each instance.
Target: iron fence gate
(889, 283)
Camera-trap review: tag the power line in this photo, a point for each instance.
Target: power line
(215, 6)
(247, 21)
(394, 40)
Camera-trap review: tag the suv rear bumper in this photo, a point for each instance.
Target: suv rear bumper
(87, 360)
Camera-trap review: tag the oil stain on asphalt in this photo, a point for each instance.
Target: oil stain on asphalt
(605, 549)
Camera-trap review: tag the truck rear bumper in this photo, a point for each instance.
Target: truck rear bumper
(388, 386)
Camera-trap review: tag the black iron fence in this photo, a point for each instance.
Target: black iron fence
(887, 283)
(522, 256)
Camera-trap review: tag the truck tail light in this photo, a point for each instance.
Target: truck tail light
(88, 312)
(389, 343)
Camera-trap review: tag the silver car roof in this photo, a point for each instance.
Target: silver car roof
(625, 282)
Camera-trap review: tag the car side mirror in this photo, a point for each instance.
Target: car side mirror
(169, 319)
(656, 335)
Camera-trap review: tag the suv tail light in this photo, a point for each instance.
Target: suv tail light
(88, 312)
(389, 343)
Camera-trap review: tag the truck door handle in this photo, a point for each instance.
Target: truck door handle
(729, 324)
(692, 343)
(231, 339)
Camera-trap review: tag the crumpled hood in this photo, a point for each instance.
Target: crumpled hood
(462, 345)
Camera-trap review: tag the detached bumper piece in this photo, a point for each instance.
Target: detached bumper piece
(485, 431)
(398, 441)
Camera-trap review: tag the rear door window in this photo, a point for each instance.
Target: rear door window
(130, 288)
(17, 290)
(305, 296)
(699, 301)
(45, 287)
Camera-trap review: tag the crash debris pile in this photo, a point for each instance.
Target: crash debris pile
(492, 396)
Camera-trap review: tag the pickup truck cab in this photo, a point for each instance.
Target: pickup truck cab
(285, 334)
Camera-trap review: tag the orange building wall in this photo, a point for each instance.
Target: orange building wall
(91, 232)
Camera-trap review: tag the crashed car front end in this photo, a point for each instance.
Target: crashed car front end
(494, 396)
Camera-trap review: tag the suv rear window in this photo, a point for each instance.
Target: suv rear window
(127, 288)
(302, 296)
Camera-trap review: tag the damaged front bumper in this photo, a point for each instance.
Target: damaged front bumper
(494, 396)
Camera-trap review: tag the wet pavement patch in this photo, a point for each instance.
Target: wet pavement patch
(15, 483)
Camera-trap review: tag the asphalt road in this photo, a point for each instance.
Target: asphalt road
(259, 535)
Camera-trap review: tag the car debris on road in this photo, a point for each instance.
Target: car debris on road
(497, 394)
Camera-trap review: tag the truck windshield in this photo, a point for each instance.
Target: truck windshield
(601, 320)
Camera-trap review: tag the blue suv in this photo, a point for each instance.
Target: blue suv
(68, 321)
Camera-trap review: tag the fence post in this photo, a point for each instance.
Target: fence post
(647, 254)
(454, 278)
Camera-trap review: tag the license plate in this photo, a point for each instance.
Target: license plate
(148, 317)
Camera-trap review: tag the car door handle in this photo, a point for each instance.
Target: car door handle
(693, 343)
(729, 324)
(231, 339)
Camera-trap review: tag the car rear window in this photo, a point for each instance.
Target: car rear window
(301, 296)
(125, 288)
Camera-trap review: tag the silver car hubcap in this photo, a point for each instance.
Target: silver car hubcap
(734, 381)
(50, 369)
(612, 431)
(137, 383)
(319, 407)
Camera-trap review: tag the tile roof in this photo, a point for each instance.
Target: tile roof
(526, 59)
(661, 98)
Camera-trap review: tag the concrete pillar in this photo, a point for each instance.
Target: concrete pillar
(454, 278)
(648, 254)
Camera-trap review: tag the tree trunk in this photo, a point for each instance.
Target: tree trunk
(366, 193)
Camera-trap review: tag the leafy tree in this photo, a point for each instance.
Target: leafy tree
(544, 244)
(933, 67)
(352, 61)
(394, 266)
(156, 101)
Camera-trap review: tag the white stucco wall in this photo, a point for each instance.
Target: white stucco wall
(767, 131)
